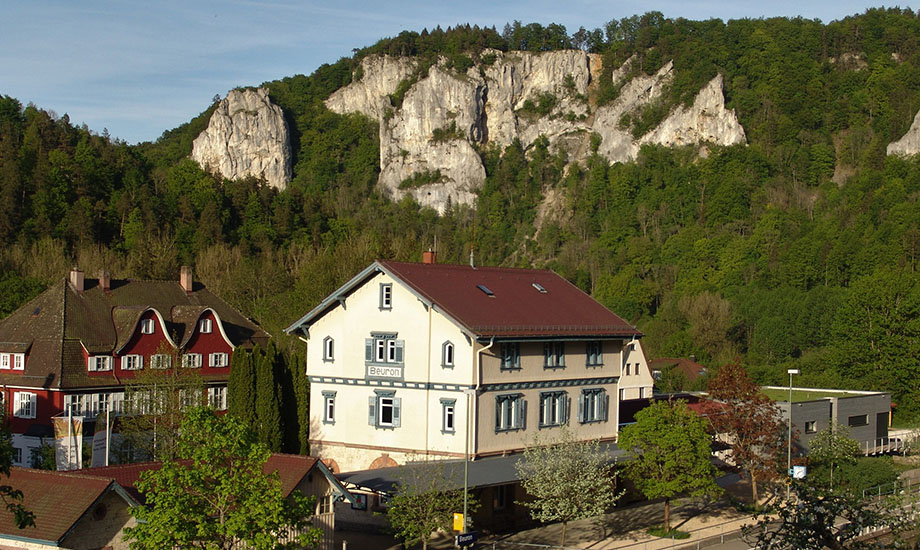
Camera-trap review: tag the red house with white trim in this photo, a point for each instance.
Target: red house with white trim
(76, 344)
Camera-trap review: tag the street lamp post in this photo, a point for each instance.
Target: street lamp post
(789, 434)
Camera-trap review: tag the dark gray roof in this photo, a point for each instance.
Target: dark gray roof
(483, 472)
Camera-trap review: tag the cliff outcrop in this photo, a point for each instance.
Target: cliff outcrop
(429, 141)
(909, 144)
(246, 136)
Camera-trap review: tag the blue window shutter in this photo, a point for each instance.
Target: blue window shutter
(372, 411)
(397, 402)
(368, 349)
(498, 414)
(399, 351)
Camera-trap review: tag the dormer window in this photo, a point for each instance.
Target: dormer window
(19, 361)
(99, 363)
(146, 326)
(204, 326)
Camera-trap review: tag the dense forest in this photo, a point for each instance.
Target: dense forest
(797, 250)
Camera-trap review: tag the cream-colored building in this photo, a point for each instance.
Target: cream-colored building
(636, 380)
(428, 360)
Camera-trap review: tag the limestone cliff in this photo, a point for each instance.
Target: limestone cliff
(246, 136)
(909, 144)
(428, 142)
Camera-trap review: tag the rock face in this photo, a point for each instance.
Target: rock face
(428, 142)
(909, 144)
(246, 136)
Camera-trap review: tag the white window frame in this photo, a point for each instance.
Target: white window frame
(448, 416)
(328, 349)
(385, 400)
(386, 296)
(510, 356)
(384, 349)
(127, 360)
(448, 351)
(554, 355)
(218, 359)
(510, 412)
(594, 353)
(5, 361)
(554, 408)
(147, 326)
(217, 398)
(19, 361)
(99, 363)
(24, 404)
(593, 405)
(205, 326)
(328, 407)
(191, 361)
(160, 361)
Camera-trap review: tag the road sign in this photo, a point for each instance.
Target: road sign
(466, 539)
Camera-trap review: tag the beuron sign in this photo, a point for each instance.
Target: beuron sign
(387, 372)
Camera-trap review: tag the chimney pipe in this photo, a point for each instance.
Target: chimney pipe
(76, 279)
(429, 257)
(105, 280)
(185, 278)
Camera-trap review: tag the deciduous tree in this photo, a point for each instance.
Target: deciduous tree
(832, 447)
(426, 499)
(568, 479)
(670, 452)
(746, 420)
(215, 495)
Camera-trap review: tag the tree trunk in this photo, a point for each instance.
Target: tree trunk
(754, 489)
(667, 515)
(564, 525)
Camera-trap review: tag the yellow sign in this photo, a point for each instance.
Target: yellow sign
(458, 522)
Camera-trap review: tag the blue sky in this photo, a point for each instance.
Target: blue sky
(138, 68)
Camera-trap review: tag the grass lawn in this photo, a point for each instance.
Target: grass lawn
(803, 395)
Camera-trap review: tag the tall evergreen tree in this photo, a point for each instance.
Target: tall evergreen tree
(268, 398)
(241, 388)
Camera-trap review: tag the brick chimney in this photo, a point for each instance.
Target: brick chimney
(185, 278)
(76, 279)
(429, 257)
(105, 280)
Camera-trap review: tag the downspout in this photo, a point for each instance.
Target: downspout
(476, 390)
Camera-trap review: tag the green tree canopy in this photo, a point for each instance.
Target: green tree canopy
(568, 479)
(215, 496)
(670, 453)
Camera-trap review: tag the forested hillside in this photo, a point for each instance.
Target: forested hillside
(799, 249)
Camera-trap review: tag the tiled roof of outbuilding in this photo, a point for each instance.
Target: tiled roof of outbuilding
(58, 500)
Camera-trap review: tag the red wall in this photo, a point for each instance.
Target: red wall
(49, 403)
(209, 343)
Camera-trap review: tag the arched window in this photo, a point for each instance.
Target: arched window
(447, 354)
(328, 349)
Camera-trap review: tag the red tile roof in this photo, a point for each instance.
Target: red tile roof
(291, 470)
(58, 500)
(690, 369)
(509, 302)
(56, 325)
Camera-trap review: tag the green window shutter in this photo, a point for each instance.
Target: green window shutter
(521, 412)
(498, 413)
(368, 349)
(397, 402)
(602, 403)
(565, 409)
(399, 351)
(372, 411)
(581, 407)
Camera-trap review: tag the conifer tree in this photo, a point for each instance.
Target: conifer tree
(241, 388)
(268, 402)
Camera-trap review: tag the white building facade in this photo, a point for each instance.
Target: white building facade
(413, 361)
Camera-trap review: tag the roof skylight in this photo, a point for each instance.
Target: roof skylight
(486, 290)
(539, 287)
